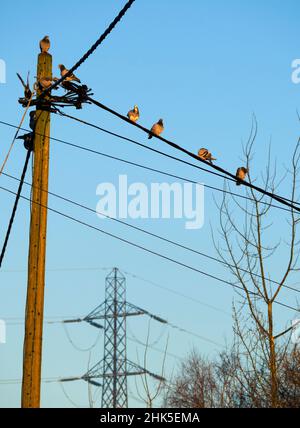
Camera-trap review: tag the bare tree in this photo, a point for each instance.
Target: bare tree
(247, 249)
(151, 393)
(230, 381)
(195, 386)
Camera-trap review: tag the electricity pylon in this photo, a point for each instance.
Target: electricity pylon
(114, 368)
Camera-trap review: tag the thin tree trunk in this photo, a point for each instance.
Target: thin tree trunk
(272, 359)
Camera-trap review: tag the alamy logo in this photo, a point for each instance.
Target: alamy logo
(157, 201)
(296, 72)
(2, 71)
(2, 332)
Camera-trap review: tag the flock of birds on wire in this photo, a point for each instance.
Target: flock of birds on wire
(133, 115)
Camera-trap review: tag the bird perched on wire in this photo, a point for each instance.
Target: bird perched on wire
(157, 129)
(27, 90)
(64, 71)
(134, 114)
(204, 154)
(45, 44)
(241, 174)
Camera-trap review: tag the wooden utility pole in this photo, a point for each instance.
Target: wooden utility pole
(37, 252)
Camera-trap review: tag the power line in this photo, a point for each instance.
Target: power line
(81, 320)
(11, 221)
(16, 135)
(161, 351)
(191, 333)
(125, 139)
(126, 241)
(169, 241)
(231, 176)
(65, 269)
(130, 140)
(154, 284)
(177, 293)
(78, 348)
(168, 156)
(89, 150)
(18, 381)
(175, 158)
(92, 48)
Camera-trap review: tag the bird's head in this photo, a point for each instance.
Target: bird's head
(136, 109)
(245, 170)
(61, 67)
(46, 38)
(160, 122)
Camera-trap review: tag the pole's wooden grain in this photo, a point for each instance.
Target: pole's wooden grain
(32, 360)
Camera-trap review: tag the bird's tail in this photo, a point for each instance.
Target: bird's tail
(238, 183)
(150, 136)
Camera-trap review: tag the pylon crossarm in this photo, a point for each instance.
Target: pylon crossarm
(145, 312)
(69, 379)
(94, 324)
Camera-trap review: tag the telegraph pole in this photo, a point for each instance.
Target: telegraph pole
(32, 359)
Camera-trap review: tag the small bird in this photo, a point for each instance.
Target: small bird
(157, 129)
(45, 44)
(134, 114)
(27, 90)
(241, 174)
(204, 154)
(45, 82)
(64, 71)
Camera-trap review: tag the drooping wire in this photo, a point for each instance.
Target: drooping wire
(92, 48)
(89, 150)
(15, 207)
(16, 134)
(139, 342)
(221, 171)
(78, 348)
(174, 158)
(177, 293)
(152, 252)
(69, 398)
(156, 341)
(130, 140)
(169, 241)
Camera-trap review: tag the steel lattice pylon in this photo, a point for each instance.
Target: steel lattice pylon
(114, 393)
(114, 368)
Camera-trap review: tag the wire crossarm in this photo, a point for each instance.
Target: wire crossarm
(132, 369)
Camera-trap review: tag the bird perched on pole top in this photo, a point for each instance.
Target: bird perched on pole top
(27, 90)
(204, 154)
(241, 174)
(134, 114)
(157, 129)
(64, 71)
(45, 44)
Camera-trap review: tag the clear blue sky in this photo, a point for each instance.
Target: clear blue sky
(205, 67)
